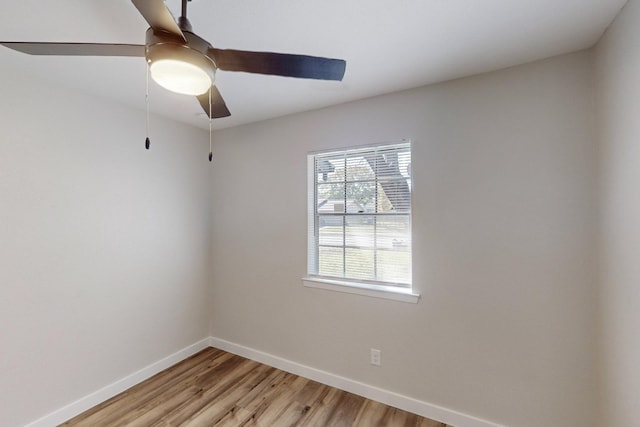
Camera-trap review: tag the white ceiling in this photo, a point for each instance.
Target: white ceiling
(388, 45)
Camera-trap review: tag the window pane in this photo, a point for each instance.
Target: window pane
(394, 195)
(393, 231)
(330, 168)
(359, 169)
(330, 232)
(359, 264)
(330, 262)
(394, 248)
(330, 195)
(361, 197)
(392, 161)
(394, 266)
(359, 231)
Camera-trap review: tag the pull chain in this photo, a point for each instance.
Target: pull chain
(147, 141)
(210, 127)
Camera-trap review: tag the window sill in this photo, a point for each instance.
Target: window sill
(375, 291)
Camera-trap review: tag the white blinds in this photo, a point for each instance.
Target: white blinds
(360, 214)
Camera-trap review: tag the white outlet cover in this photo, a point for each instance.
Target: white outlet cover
(376, 357)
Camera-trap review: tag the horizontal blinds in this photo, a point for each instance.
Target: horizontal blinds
(360, 210)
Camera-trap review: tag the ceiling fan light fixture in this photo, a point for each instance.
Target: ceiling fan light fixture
(180, 69)
(179, 76)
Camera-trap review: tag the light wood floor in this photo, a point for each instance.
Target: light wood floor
(216, 388)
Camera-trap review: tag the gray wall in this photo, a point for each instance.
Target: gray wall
(104, 246)
(504, 170)
(618, 84)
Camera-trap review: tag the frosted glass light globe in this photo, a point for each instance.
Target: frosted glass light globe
(179, 76)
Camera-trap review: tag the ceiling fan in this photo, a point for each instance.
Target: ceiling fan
(181, 61)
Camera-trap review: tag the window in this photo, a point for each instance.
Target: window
(359, 210)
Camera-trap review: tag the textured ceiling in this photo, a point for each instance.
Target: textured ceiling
(388, 45)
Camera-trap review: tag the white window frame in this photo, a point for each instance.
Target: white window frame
(388, 290)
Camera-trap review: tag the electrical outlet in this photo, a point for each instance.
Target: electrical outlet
(376, 357)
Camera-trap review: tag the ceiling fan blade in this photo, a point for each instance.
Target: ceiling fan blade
(279, 64)
(218, 107)
(158, 16)
(76, 49)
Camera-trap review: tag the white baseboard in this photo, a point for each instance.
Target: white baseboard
(415, 406)
(79, 406)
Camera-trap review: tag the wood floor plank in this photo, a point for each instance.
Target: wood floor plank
(209, 390)
(371, 414)
(216, 388)
(217, 409)
(320, 411)
(259, 391)
(279, 402)
(150, 393)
